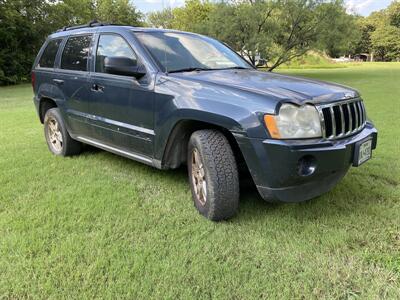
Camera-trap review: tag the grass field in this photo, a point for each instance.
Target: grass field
(317, 60)
(102, 226)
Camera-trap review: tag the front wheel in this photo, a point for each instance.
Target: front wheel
(213, 175)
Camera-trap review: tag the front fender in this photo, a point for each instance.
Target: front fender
(178, 100)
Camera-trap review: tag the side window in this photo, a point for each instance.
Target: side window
(49, 54)
(111, 45)
(76, 53)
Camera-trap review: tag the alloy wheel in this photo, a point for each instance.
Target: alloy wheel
(54, 134)
(198, 178)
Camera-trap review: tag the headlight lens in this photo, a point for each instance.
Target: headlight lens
(294, 122)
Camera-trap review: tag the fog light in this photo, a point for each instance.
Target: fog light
(306, 165)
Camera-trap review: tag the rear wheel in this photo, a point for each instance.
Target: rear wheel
(57, 137)
(213, 175)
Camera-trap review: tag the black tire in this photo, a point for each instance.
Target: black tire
(67, 146)
(220, 172)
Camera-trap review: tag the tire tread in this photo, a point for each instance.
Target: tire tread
(220, 163)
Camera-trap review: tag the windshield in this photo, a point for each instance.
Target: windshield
(176, 52)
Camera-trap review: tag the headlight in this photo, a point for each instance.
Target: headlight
(294, 122)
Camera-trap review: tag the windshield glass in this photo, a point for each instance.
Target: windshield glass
(184, 52)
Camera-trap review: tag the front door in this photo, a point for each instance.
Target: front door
(121, 106)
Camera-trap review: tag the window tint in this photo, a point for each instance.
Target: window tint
(49, 54)
(112, 45)
(76, 53)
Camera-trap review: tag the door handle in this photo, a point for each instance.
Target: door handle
(97, 88)
(58, 81)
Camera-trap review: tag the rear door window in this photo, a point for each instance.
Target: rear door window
(76, 53)
(49, 54)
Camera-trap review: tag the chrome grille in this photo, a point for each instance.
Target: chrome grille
(342, 118)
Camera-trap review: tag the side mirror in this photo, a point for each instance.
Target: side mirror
(120, 65)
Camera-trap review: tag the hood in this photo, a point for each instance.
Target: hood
(272, 85)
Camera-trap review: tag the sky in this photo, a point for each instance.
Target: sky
(365, 7)
(362, 7)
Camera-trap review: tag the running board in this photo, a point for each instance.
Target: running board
(128, 154)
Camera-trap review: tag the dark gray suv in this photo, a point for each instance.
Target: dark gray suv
(167, 98)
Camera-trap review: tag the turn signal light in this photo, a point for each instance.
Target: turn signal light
(270, 122)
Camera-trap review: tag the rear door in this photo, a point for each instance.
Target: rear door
(121, 106)
(72, 83)
(44, 68)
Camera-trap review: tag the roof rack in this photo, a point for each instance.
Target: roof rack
(93, 23)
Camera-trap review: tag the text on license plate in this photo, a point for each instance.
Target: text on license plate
(365, 152)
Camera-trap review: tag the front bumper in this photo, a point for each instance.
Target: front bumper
(274, 164)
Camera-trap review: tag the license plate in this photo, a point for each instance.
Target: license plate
(364, 152)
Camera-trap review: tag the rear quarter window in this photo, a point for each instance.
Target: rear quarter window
(49, 54)
(76, 53)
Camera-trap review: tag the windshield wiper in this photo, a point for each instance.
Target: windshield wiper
(189, 70)
(207, 69)
(234, 68)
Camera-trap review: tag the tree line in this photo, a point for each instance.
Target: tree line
(281, 30)
(25, 24)
(276, 30)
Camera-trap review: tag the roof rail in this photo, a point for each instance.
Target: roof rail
(93, 23)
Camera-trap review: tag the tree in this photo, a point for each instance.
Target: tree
(339, 33)
(281, 30)
(394, 14)
(70, 12)
(381, 33)
(363, 43)
(117, 11)
(192, 16)
(299, 23)
(161, 19)
(385, 41)
(24, 25)
(73, 12)
(22, 28)
(386, 38)
(247, 27)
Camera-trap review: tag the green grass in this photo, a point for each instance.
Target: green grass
(312, 60)
(101, 226)
(317, 60)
